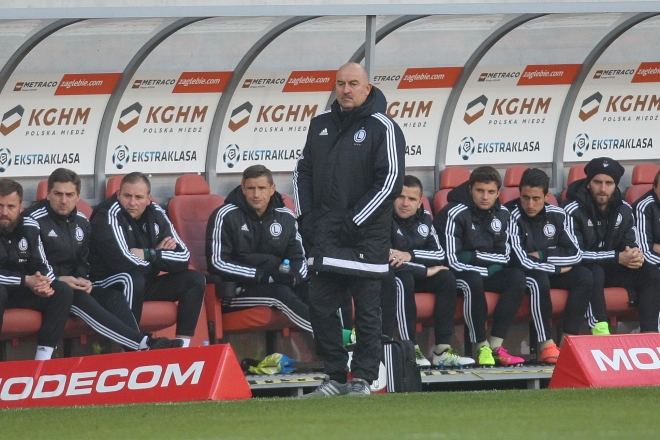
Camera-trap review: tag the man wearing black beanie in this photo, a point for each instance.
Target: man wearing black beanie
(604, 226)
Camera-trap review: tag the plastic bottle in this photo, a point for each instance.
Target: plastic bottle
(205, 343)
(285, 267)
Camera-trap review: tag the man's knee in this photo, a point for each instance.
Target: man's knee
(62, 292)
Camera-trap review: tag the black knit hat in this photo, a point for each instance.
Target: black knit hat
(604, 165)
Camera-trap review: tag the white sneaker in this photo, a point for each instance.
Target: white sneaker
(450, 359)
(420, 358)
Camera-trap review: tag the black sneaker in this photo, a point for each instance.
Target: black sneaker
(159, 343)
(360, 387)
(330, 388)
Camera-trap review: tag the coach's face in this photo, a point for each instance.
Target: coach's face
(134, 198)
(63, 197)
(352, 86)
(10, 209)
(257, 192)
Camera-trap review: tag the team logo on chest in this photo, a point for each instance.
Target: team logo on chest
(619, 219)
(496, 225)
(360, 135)
(156, 228)
(23, 244)
(549, 230)
(423, 230)
(79, 234)
(275, 229)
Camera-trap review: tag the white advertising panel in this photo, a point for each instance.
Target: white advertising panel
(163, 122)
(509, 115)
(616, 114)
(416, 99)
(51, 121)
(268, 119)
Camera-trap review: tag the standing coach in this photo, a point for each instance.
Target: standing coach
(345, 182)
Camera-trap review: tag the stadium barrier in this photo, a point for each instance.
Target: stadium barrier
(608, 361)
(190, 374)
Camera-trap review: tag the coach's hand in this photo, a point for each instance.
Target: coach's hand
(397, 258)
(168, 243)
(77, 283)
(430, 271)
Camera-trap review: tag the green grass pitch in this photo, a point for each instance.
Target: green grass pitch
(621, 413)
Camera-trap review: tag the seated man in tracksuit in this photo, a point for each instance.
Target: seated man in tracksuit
(65, 236)
(647, 220)
(604, 226)
(549, 255)
(132, 242)
(416, 265)
(26, 279)
(248, 238)
(474, 233)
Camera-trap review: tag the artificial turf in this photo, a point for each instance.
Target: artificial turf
(621, 413)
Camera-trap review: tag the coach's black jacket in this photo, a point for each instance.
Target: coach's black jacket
(600, 235)
(65, 239)
(473, 238)
(345, 182)
(22, 253)
(544, 233)
(244, 248)
(416, 235)
(115, 232)
(647, 215)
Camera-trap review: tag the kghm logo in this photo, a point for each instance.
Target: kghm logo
(120, 156)
(475, 109)
(231, 155)
(581, 144)
(5, 159)
(129, 117)
(11, 120)
(590, 106)
(466, 148)
(240, 116)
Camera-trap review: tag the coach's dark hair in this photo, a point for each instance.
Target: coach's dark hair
(9, 186)
(63, 175)
(485, 174)
(413, 182)
(135, 177)
(656, 179)
(535, 178)
(256, 171)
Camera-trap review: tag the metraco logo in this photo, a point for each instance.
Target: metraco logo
(129, 117)
(30, 86)
(11, 120)
(496, 76)
(258, 83)
(151, 83)
(240, 116)
(612, 73)
(475, 109)
(590, 106)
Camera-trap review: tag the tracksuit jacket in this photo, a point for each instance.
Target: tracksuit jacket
(345, 182)
(417, 236)
(22, 253)
(600, 235)
(65, 237)
(544, 233)
(115, 232)
(473, 238)
(244, 248)
(647, 214)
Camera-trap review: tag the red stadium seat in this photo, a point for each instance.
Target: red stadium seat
(82, 206)
(288, 202)
(508, 194)
(426, 204)
(642, 181)
(451, 177)
(576, 172)
(18, 323)
(513, 176)
(112, 185)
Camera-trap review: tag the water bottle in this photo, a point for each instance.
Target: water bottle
(205, 343)
(285, 267)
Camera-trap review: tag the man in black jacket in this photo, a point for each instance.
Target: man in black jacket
(248, 238)
(604, 226)
(132, 242)
(26, 279)
(549, 255)
(65, 236)
(647, 216)
(346, 179)
(417, 265)
(476, 237)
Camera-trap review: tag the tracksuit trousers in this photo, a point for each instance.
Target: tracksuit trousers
(326, 293)
(509, 283)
